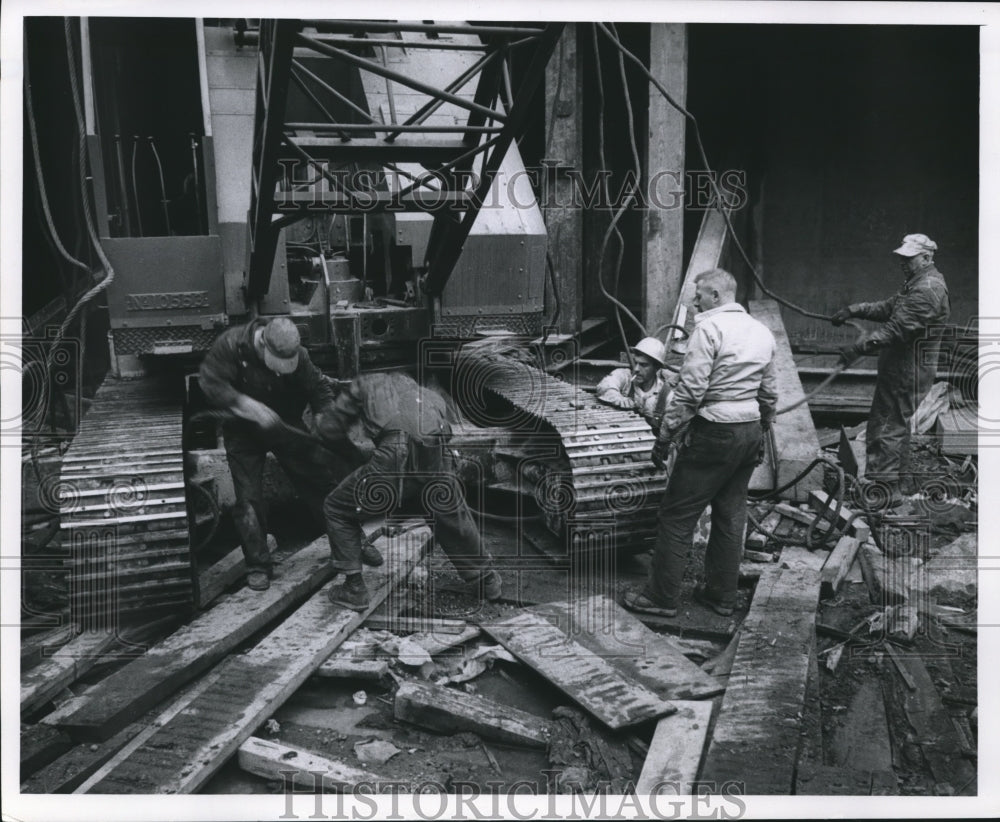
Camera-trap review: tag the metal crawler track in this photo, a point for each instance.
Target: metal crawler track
(123, 512)
(603, 476)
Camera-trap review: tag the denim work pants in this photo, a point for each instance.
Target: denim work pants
(714, 467)
(313, 470)
(401, 472)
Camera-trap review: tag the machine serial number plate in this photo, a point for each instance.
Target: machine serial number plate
(166, 300)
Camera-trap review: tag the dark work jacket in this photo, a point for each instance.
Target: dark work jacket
(391, 403)
(233, 367)
(909, 337)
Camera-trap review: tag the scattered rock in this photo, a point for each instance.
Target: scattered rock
(375, 751)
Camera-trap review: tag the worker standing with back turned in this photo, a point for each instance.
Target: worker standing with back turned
(724, 400)
(908, 342)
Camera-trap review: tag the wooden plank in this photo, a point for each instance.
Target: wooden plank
(129, 692)
(662, 261)
(756, 735)
(425, 625)
(63, 668)
(859, 528)
(886, 580)
(40, 745)
(934, 731)
(795, 514)
(671, 765)
(860, 739)
(795, 437)
(837, 565)
(606, 629)
(194, 743)
(445, 710)
(289, 764)
(224, 573)
(587, 678)
(41, 646)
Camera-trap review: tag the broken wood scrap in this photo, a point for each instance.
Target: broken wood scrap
(761, 715)
(758, 556)
(446, 710)
(722, 665)
(758, 538)
(837, 565)
(190, 746)
(889, 581)
(587, 758)
(40, 684)
(904, 672)
(602, 689)
(671, 764)
(140, 685)
(300, 767)
(847, 520)
(605, 628)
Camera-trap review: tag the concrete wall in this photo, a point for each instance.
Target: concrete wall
(856, 135)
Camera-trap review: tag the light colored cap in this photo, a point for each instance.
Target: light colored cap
(652, 348)
(281, 345)
(914, 244)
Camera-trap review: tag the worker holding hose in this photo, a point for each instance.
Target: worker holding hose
(411, 463)
(639, 388)
(724, 399)
(262, 376)
(908, 342)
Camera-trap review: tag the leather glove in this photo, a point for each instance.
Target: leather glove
(849, 353)
(661, 451)
(842, 316)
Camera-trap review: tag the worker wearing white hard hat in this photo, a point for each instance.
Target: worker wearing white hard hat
(640, 388)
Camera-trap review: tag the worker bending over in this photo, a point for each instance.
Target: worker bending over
(641, 388)
(409, 426)
(263, 377)
(908, 342)
(725, 396)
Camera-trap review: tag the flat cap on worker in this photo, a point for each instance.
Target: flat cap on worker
(281, 345)
(914, 244)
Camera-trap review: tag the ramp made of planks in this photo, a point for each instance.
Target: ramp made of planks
(613, 697)
(193, 744)
(606, 629)
(163, 669)
(795, 440)
(756, 735)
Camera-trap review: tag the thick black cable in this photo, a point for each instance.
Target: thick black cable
(612, 227)
(719, 201)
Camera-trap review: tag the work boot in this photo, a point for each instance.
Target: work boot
(370, 555)
(701, 595)
(352, 593)
(490, 584)
(258, 580)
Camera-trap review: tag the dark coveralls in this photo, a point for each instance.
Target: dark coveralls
(908, 342)
(411, 464)
(233, 367)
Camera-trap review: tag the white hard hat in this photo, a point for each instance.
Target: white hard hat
(652, 348)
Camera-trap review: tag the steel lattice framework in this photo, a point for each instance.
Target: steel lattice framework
(346, 135)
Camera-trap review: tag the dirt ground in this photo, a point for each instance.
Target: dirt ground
(323, 716)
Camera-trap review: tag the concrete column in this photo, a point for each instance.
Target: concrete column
(564, 149)
(663, 227)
